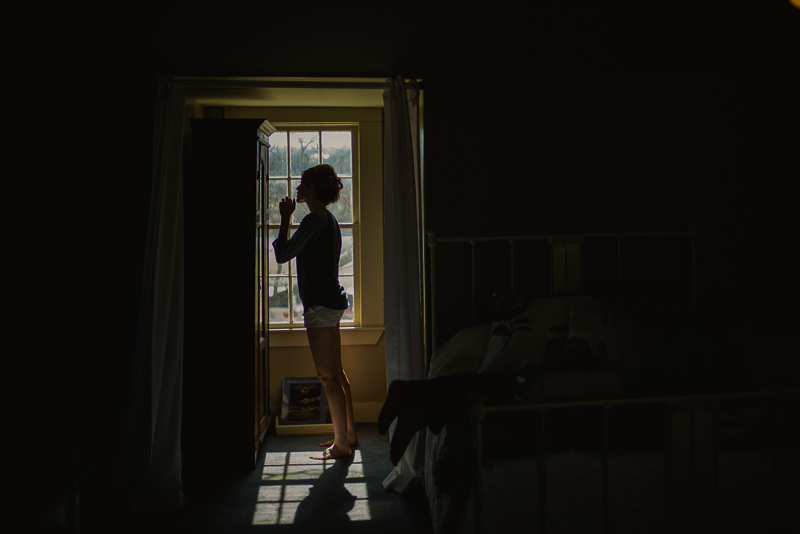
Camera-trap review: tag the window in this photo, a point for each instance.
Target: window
(292, 150)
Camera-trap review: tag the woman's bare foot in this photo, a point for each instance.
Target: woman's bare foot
(352, 440)
(333, 452)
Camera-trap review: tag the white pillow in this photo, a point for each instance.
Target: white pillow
(608, 322)
(519, 342)
(462, 353)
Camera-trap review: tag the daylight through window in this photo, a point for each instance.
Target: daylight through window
(290, 153)
(293, 484)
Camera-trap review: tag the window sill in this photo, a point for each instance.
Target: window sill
(351, 335)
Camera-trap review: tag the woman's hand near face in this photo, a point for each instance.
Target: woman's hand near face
(286, 207)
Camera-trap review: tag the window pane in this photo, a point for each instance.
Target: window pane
(297, 308)
(346, 259)
(277, 190)
(349, 288)
(337, 151)
(342, 209)
(290, 154)
(304, 151)
(278, 292)
(274, 266)
(277, 154)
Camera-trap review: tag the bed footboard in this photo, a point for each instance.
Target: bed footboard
(697, 430)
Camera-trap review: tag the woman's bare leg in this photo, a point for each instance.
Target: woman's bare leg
(326, 349)
(352, 437)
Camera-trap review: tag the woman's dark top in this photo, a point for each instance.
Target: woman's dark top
(317, 245)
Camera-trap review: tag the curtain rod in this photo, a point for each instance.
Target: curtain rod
(245, 84)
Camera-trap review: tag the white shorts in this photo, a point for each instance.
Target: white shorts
(321, 316)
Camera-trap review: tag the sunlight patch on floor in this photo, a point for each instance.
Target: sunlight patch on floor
(299, 466)
(286, 478)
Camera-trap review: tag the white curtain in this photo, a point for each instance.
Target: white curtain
(152, 448)
(402, 234)
(402, 238)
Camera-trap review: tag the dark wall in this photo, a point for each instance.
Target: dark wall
(565, 119)
(568, 118)
(631, 151)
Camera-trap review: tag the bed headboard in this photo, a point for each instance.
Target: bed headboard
(466, 271)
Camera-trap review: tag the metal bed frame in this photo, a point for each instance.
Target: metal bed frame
(691, 474)
(566, 272)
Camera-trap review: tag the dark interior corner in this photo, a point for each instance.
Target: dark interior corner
(657, 118)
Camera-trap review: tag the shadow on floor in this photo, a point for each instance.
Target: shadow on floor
(291, 493)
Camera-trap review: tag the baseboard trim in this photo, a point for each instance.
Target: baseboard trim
(301, 430)
(364, 412)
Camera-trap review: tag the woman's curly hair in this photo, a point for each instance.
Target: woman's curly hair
(327, 183)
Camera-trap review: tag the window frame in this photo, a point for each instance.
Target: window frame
(322, 126)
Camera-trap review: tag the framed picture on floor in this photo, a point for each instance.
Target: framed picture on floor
(303, 402)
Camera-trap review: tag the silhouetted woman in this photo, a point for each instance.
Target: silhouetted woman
(317, 245)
